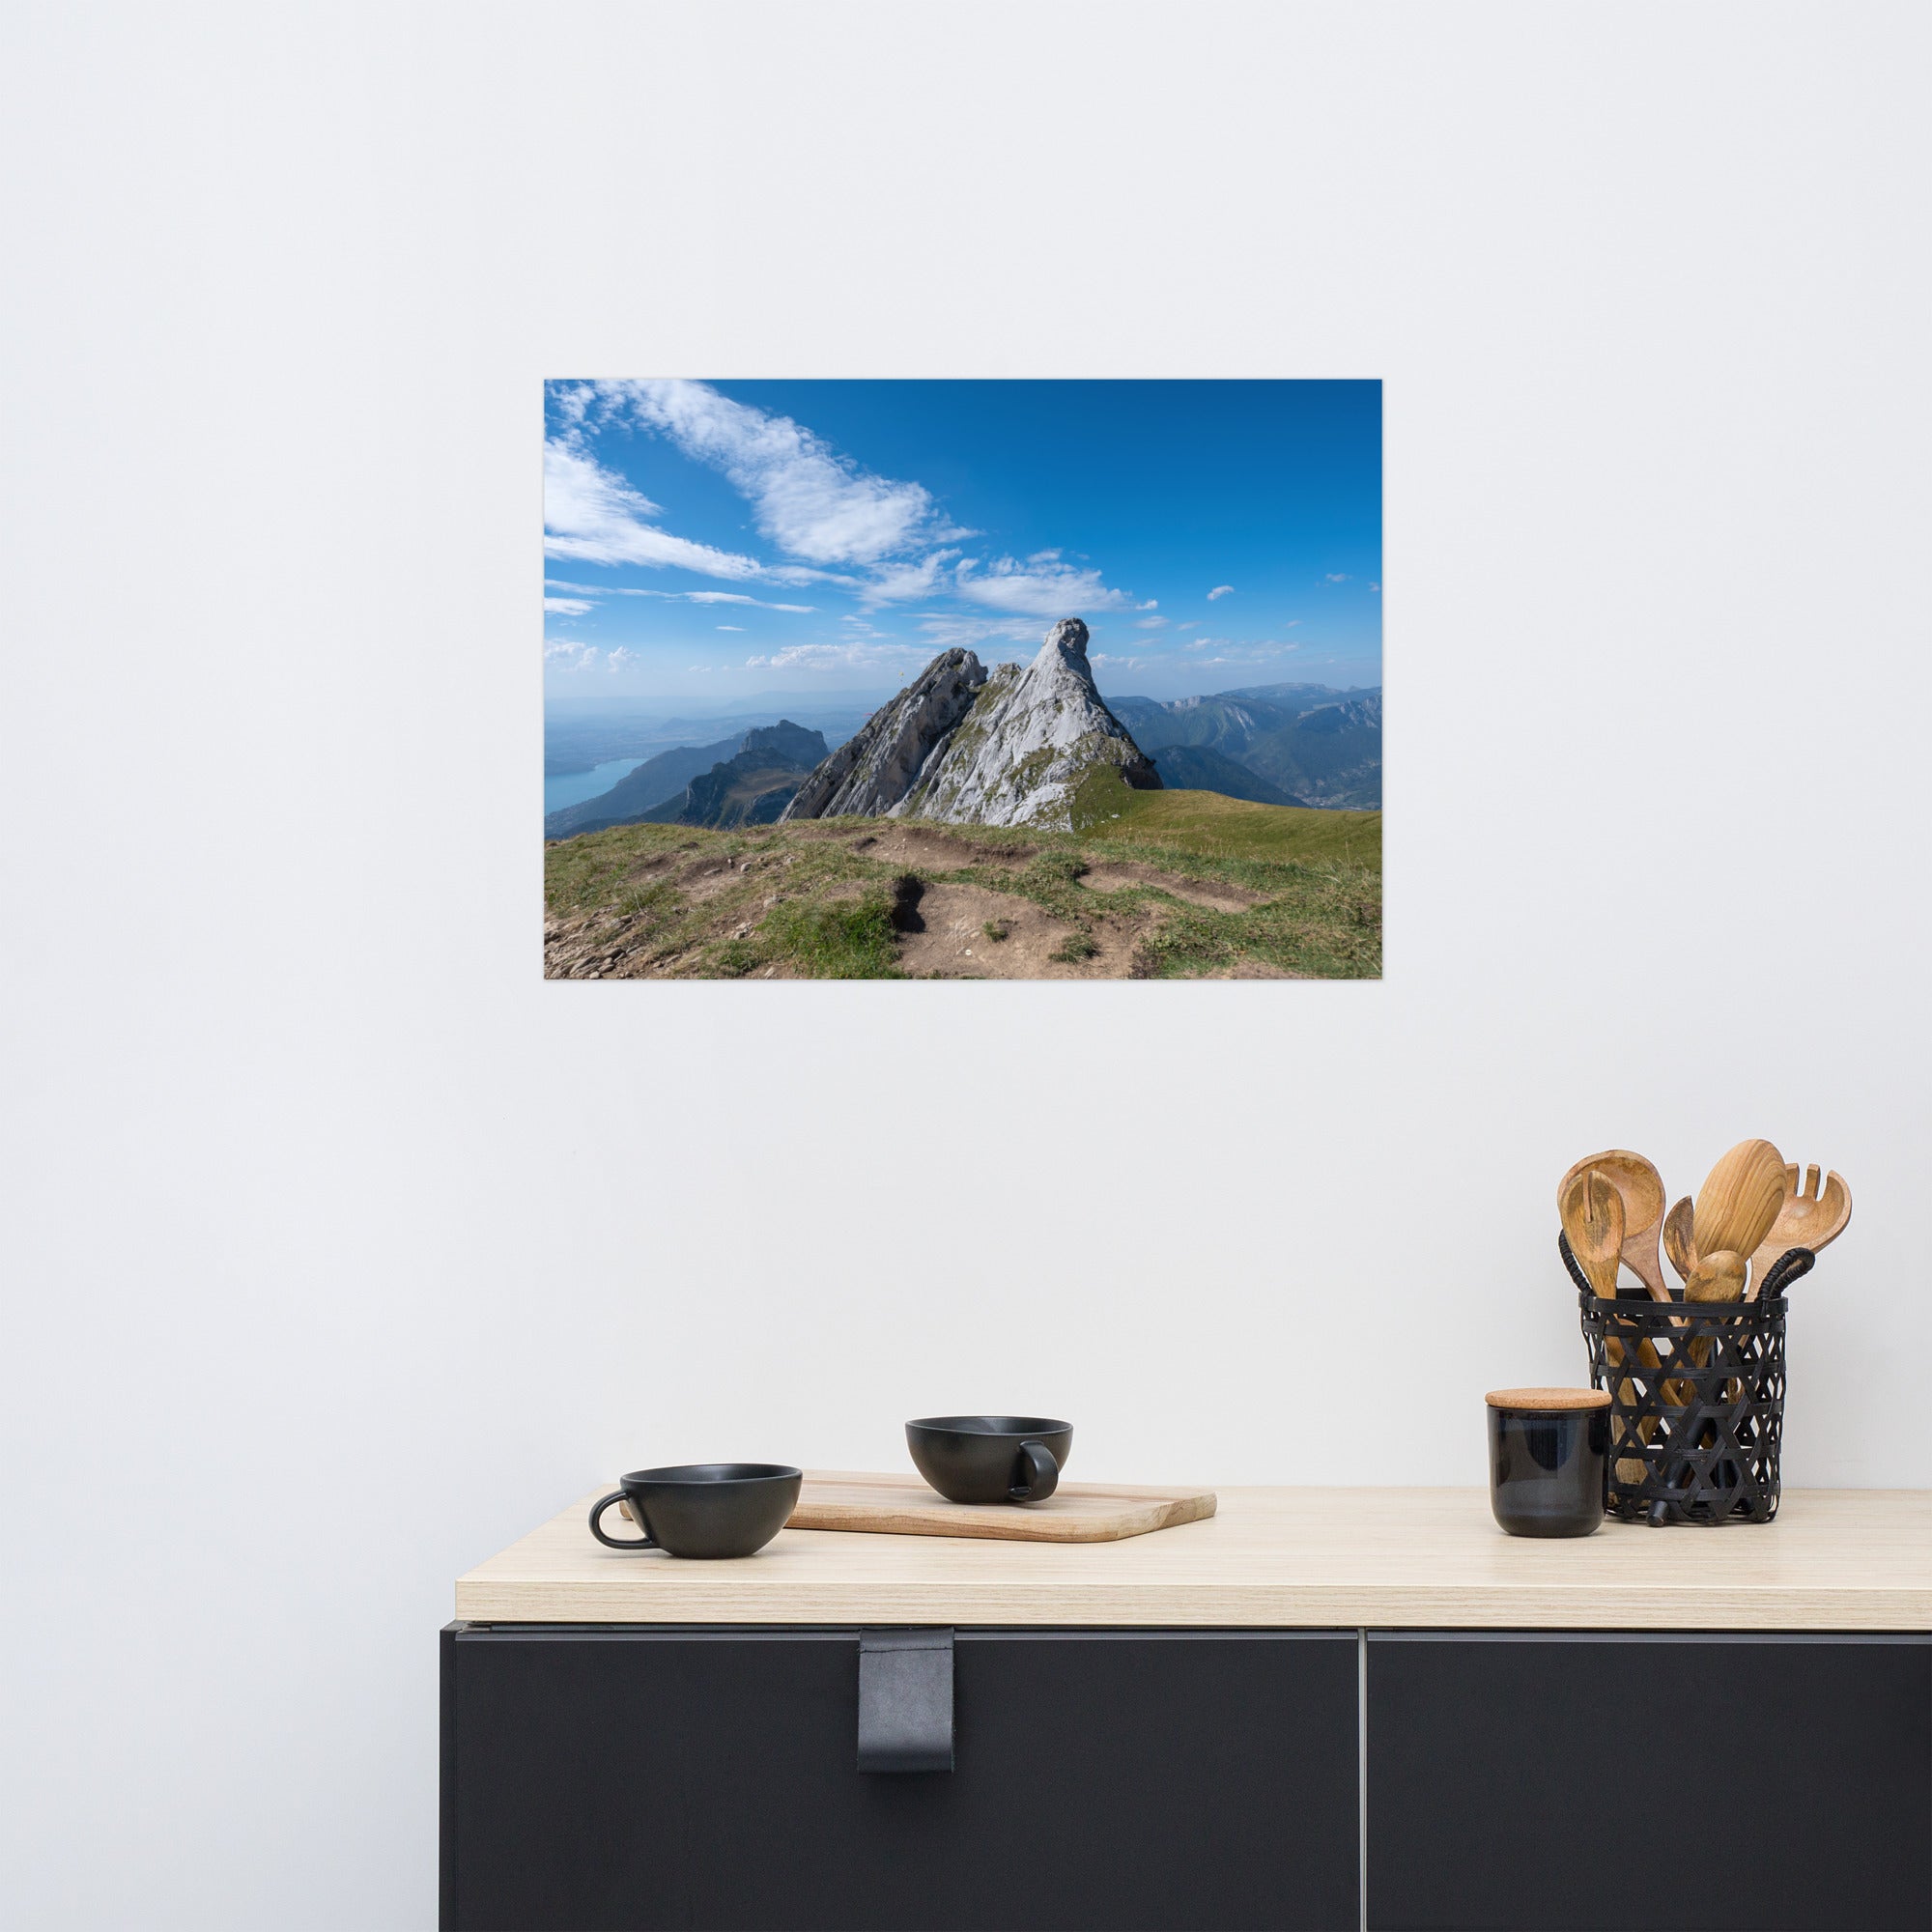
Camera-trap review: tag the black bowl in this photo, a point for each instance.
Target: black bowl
(990, 1458)
(703, 1509)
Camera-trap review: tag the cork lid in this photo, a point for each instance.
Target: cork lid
(1547, 1400)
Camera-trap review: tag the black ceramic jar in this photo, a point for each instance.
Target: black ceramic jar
(1548, 1459)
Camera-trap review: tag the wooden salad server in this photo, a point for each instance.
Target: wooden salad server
(1809, 1216)
(1641, 1188)
(1592, 1213)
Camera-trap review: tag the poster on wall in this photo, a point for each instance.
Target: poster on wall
(962, 680)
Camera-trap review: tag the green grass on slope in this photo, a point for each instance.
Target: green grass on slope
(817, 899)
(1219, 826)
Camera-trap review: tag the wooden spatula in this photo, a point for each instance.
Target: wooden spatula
(1739, 1200)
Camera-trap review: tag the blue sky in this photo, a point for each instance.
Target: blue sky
(716, 540)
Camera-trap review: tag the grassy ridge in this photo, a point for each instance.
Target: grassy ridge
(1195, 884)
(1209, 824)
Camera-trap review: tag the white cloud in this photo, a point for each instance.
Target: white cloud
(1149, 623)
(676, 596)
(1234, 653)
(1042, 588)
(567, 606)
(728, 627)
(1376, 587)
(945, 633)
(568, 654)
(902, 583)
(1118, 663)
(854, 656)
(593, 514)
(806, 497)
(623, 658)
(1153, 604)
(734, 597)
(1192, 624)
(1338, 577)
(1219, 590)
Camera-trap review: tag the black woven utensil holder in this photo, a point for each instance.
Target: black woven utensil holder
(1696, 1398)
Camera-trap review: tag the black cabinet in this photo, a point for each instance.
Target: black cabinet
(613, 1778)
(1575, 1782)
(606, 1777)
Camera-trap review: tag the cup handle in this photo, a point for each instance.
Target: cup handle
(1042, 1475)
(597, 1510)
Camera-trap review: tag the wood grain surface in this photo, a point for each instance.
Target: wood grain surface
(898, 1505)
(1843, 1559)
(1739, 1200)
(1549, 1400)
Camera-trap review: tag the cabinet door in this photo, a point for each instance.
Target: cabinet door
(1617, 1782)
(603, 1779)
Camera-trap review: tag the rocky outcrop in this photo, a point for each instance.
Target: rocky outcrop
(754, 785)
(869, 776)
(967, 749)
(1034, 733)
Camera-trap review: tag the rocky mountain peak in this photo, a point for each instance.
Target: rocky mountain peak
(966, 748)
(1068, 640)
(1032, 734)
(871, 774)
(785, 743)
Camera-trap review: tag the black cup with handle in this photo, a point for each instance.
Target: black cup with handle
(990, 1458)
(702, 1509)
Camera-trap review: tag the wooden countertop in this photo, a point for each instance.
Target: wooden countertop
(1834, 1559)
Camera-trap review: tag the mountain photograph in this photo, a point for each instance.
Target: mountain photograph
(1039, 794)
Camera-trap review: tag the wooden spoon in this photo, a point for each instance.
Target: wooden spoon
(1680, 1242)
(1808, 1217)
(1641, 1187)
(1739, 1200)
(1593, 1218)
(1716, 1277)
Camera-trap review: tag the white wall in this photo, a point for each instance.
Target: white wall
(342, 1249)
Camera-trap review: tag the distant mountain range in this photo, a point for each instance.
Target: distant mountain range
(1315, 746)
(632, 797)
(1196, 768)
(579, 741)
(1271, 744)
(742, 781)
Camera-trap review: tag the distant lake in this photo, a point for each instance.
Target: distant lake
(576, 786)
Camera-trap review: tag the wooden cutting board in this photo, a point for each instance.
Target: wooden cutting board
(1075, 1512)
